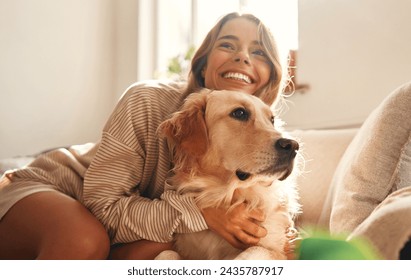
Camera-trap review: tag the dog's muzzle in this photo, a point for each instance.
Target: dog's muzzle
(286, 151)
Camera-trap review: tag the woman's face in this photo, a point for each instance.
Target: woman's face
(237, 60)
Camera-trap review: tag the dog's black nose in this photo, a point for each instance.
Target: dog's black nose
(287, 146)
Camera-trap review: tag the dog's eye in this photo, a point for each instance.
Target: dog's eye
(272, 119)
(240, 114)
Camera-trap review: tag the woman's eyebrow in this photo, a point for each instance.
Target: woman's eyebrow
(230, 37)
(235, 38)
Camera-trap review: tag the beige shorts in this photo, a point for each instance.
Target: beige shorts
(12, 192)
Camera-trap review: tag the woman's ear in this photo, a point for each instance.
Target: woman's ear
(187, 129)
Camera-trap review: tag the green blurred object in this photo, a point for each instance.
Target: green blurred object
(325, 247)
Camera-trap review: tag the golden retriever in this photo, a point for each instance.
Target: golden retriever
(226, 141)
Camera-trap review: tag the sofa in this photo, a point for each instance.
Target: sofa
(357, 182)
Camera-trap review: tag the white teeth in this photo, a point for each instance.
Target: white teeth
(238, 76)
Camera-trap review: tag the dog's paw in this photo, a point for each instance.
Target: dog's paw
(168, 255)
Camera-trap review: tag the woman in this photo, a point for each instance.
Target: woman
(47, 209)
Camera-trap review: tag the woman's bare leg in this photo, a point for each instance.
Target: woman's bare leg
(51, 225)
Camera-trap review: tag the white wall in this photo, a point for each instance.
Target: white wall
(63, 63)
(352, 53)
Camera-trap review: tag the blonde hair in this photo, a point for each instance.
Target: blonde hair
(269, 92)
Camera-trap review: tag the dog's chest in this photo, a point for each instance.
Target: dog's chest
(208, 245)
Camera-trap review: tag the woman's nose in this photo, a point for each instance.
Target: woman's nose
(241, 56)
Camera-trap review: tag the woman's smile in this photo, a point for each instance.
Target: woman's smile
(238, 76)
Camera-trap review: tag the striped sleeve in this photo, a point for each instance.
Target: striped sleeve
(132, 163)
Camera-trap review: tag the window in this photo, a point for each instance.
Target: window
(181, 24)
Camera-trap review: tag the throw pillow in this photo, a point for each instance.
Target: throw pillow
(376, 163)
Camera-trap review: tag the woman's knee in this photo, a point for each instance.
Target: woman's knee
(87, 239)
(95, 242)
(79, 235)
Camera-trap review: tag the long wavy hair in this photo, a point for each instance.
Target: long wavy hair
(269, 92)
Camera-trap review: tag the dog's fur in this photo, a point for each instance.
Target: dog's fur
(225, 141)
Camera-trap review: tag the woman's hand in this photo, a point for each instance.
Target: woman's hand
(239, 227)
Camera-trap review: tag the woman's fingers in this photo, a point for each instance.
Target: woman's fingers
(239, 227)
(247, 239)
(257, 215)
(245, 225)
(236, 243)
(255, 230)
(219, 222)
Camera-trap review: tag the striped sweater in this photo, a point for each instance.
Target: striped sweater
(122, 180)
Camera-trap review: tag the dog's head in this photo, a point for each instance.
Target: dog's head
(229, 133)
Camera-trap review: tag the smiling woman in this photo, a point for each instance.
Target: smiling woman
(233, 62)
(239, 53)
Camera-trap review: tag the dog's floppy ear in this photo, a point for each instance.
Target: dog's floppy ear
(186, 129)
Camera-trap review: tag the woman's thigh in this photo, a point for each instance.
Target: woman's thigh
(51, 225)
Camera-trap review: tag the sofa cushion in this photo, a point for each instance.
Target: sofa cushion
(376, 163)
(388, 227)
(321, 151)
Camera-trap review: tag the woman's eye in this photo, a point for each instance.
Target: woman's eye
(259, 53)
(227, 46)
(240, 114)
